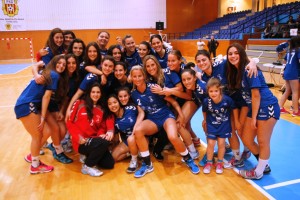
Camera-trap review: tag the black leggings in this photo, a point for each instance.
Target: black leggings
(97, 153)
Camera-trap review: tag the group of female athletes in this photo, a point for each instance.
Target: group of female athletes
(127, 100)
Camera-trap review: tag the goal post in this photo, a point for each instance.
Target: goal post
(16, 49)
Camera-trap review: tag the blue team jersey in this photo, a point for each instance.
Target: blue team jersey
(107, 88)
(218, 71)
(163, 61)
(88, 80)
(73, 86)
(266, 96)
(46, 58)
(171, 78)
(282, 46)
(133, 60)
(199, 94)
(103, 52)
(151, 103)
(218, 115)
(34, 92)
(292, 67)
(126, 123)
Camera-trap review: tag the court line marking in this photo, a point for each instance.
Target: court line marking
(7, 106)
(282, 184)
(260, 189)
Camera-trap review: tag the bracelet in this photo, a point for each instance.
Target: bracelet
(42, 118)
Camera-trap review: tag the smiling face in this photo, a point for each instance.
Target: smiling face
(138, 77)
(214, 92)
(129, 45)
(68, 38)
(77, 49)
(103, 39)
(107, 67)
(71, 65)
(119, 72)
(113, 105)
(124, 97)
(116, 53)
(157, 45)
(203, 62)
(60, 66)
(151, 67)
(92, 53)
(233, 56)
(143, 50)
(58, 39)
(95, 94)
(188, 80)
(173, 62)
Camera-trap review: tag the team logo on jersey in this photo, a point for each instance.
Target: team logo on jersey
(10, 7)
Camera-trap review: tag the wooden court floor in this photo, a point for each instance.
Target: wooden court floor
(170, 179)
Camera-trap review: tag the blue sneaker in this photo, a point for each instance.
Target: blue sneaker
(203, 162)
(51, 147)
(193, 167)
(143, 170)
(62, 158)
(246, 155)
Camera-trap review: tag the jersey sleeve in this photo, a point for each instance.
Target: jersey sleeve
(71, 124)
(54, 81)
(88, 80)
(204, 105)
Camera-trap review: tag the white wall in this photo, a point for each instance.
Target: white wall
(88, 14)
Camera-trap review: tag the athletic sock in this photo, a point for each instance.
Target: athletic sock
(134, 157)
(146, 157)
(58, 149)
(261, 166)
(186, 156)
(35, 161)
(236, 154)
(192, 148)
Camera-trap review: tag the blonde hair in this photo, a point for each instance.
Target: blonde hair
(214, 82)
(140, 68)
(160, 78)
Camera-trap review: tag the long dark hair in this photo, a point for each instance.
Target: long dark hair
(70, 49)
(235, 75)
(116, 97)
(50, 42)
(62, 88)
(75, 74)
(295, 43)
(97, 61)
(89, 104)
(112, 47)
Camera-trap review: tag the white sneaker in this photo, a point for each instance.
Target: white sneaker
(92, 171)
(219, 168)
(133, 165)
(82, 158)
(207, 168)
